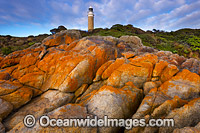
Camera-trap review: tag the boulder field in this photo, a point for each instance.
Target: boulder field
(73, 77)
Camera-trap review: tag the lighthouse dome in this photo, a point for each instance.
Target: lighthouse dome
(90, 9)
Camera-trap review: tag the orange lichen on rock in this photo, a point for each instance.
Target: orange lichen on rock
(10, 69)
(128, 54)
(113, 67)
(83, 44)
(138, 74)
(185, 85)
(144, 58)
(18, 73)
(113, 102)
(130, 84)
(69, 39)
(167, 106)
(19, 97)
(48, 64)
(68, 70)
(103, 101)
(28, 60)
(34, 79)
(101, 57)
(102, 69)
(168, 72)
(1, 58)
(63, 68)
(82, 73)
(68, 47)
(63, 37)
(189, 76)
(81, 90)
(53, 42)
(83, 100)
(149, 85)
(121, 45)
(7, 87)
(159, 67)
(57, 40)
(185, 116)
(4, 76)
(13, 58)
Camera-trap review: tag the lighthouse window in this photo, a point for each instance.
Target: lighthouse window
(91, 9)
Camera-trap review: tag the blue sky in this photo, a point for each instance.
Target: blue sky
(33, 17)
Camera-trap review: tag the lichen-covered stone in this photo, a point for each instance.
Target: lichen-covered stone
(185, 84)
(19, 97)
(113, 102)
(45, 103)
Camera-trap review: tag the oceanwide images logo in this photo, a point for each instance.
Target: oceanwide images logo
(45, 121)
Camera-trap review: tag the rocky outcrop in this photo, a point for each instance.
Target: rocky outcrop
(185, 84)
(113, 102)
(5, 109)
(188, 115)
(195, 129)
(73, 77)
(63, 37)
(172, 94)
(66, 111)
(4, 76)
(132, 41)
(47, 102)
(2, 128)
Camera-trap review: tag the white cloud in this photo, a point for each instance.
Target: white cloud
(7, 18)
(167, 4)
(142, 13)
(190, 20)
(180, 17)
(145, 14)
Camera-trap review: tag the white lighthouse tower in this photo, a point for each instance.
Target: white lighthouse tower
(90, 19)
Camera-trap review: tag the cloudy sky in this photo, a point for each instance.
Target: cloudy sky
(33, 17)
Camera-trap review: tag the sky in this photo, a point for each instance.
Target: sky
(33, 17)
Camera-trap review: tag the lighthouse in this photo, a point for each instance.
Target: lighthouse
(90, 19)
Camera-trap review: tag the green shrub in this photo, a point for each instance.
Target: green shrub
(161, 39)
(112, 32)
(31, 43)
(194, 42)
(6, 50)
(175, 51)
(186, 51)
(166, 47)
(16, 48)
(118, 27)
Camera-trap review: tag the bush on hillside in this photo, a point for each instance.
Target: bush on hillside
(194, 42)
(6, 50)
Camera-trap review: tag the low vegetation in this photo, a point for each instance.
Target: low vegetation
(10, 44)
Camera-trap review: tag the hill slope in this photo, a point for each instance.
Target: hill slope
(10, 44)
